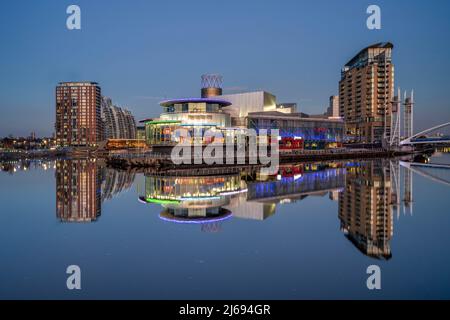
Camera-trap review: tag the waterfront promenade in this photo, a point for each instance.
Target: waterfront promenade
(151, 161)
(163, 161)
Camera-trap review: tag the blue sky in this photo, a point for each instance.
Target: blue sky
(143, 51)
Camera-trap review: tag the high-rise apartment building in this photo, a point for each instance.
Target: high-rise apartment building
(333, 107)
(119, 123)
(366, 91)
(78, 114)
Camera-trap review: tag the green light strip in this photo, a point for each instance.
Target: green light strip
(161, 201)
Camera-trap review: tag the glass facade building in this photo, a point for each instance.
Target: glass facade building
(317, 133)
(187, 120)
(194, 116)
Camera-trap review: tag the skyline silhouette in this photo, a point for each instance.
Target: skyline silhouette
(143, 52)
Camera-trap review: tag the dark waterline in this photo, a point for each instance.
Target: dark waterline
(305, 233)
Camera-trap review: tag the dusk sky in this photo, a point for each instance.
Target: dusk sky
(144, 51)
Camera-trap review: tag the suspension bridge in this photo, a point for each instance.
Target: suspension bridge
(421, 138)
(402, 121)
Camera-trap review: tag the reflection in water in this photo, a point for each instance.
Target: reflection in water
(14, 166)
(78, 191)
(368, 192)
(365, 208)
(306, 217)
(249, 195)
(79, 185)
(362, 189)
(195, 200)
(296, 182)
(114, 182)
(292, 183)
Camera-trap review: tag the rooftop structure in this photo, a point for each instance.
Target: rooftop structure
(77, 84)
(370, 54)
(211, 85)
(210, 101)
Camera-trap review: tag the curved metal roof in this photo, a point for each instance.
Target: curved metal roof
(386, 45)
(222, 103)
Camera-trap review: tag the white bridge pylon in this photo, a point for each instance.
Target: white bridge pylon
(409, 140)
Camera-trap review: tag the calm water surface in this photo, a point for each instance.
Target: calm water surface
(309, 231)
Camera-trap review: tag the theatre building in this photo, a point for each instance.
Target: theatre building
(194, 115)
(298, 131)
(230, 115)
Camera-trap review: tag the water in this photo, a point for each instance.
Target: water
(309, 232)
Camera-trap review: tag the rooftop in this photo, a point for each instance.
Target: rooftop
(380, 45)
(222, 103)
(77, 83)
(288, 116)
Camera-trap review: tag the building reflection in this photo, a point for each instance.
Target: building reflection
(247, 195)
(290, 184)
(295, 182)
(362, 189)
(365, 208)
(194, 200)
(78, 190)
(16, 166)
(81, 187)
(114, 182)
(367, 193)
